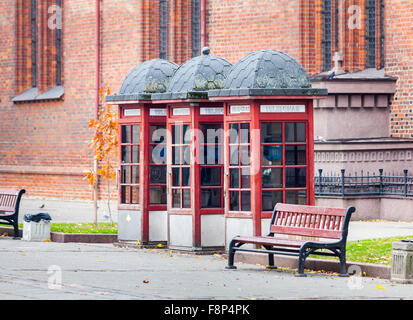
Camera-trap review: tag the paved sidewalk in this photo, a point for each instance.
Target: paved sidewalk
(92, 271)
(360, 230)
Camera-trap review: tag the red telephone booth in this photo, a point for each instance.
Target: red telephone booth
(195, 155)
(208, 149)
(142, 177)
(269, 156)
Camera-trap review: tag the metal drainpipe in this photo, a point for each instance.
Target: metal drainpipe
(203, 23)
(97, 45)
(97, 98)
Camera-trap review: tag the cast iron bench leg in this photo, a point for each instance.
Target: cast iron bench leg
(16, 231)
(271, 264)
(301, 261)
(231, 254)
(343, 268)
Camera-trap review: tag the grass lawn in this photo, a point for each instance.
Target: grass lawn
(376, 251)
(102, 227)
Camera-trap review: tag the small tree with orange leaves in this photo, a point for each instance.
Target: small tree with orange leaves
(105, 147)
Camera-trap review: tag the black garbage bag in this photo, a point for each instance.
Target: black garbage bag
(37, 217)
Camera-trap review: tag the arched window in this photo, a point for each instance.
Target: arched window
(330, 30)
(370, 33)
(326, 41)
(374, 33)
(195, 27)
(39, 50)
(163, 29)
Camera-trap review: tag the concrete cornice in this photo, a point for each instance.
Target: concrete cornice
(364, 145)
(356, 86)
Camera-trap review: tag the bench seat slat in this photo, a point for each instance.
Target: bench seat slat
(9, 192)
(6, 210)
(272, 241)
(308, 232)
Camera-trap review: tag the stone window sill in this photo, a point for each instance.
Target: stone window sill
(33, 95)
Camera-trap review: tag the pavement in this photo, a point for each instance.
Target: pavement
(361, 230)
(66, 271)
(80, 271)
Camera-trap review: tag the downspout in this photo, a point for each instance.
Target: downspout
(203, 23)
(97, 98)
(97, 59)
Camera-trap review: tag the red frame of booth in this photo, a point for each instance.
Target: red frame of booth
(194, 119)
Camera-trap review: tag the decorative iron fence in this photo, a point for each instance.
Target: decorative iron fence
(333, 184)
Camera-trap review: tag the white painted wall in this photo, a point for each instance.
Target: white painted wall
(180, 231)
(238, 226)
(265, 226)
(212, 230)
(129, 225)
(158, 225)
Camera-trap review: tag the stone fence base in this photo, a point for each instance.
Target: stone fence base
(373, 207)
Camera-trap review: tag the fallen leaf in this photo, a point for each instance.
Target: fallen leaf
(100, 261)
(145, 281)
(159, 245)
(380, 287)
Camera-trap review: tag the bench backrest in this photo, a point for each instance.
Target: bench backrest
(8, 199)
(310, 221)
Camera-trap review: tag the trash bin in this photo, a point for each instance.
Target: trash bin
(36, 227)
(402, 262)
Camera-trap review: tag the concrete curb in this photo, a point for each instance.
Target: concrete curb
(83, 237)
(70, 237)
(9, 232)
(135, 245)
(367, 269)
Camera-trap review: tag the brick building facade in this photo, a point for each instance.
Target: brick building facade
(49, 72)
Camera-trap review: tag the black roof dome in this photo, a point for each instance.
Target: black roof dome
(151, 76)
(202, 73)
(267, 69)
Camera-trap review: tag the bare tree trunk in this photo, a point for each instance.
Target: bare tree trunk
(110, 211)
(95, 195)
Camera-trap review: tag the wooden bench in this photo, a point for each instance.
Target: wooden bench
(9, 208)
(300, 220)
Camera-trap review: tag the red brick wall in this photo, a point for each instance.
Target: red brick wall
(238, 27)
(49, 136)
(351, 39)
(399, 63)
(46, 54)
(53, 136)
(126, 41)
(22, 45)
(179, 30)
